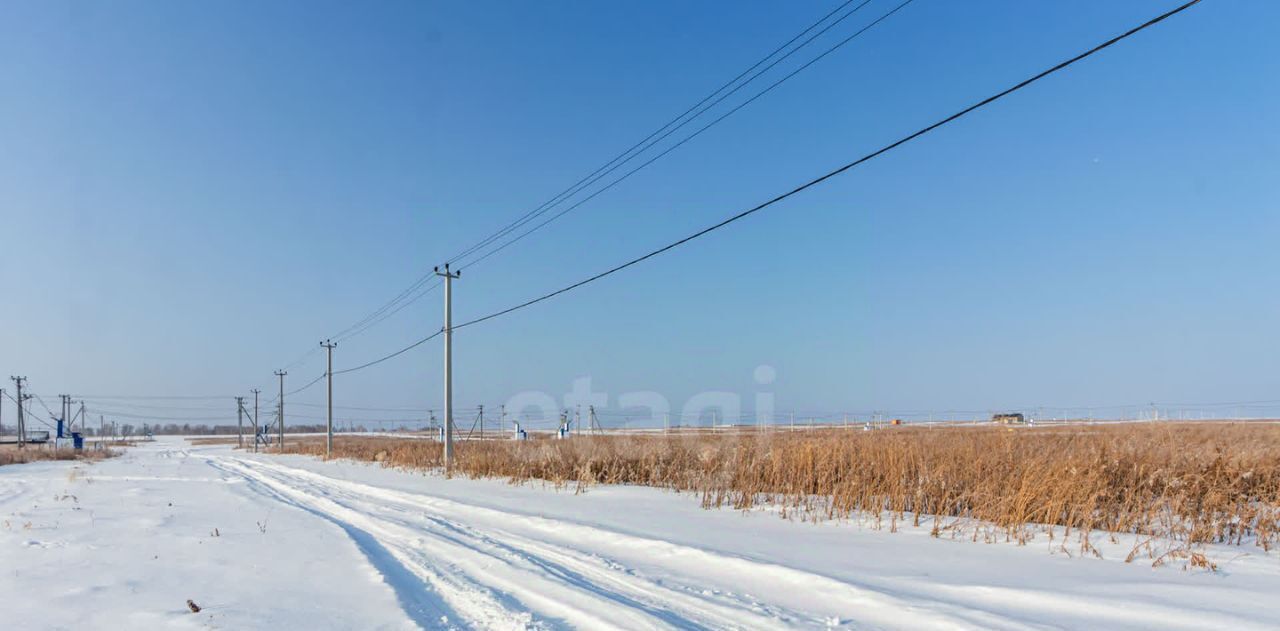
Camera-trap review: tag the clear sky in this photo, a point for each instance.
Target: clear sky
(195, 194)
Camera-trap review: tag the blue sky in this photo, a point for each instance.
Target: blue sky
(195, 194)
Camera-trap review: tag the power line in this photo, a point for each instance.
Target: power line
(368, 409)
(386, 311)
(386, 357)
(841, 169)
(44, 405)
(699, 132)
(610, 167)
(27, 410)
(695, 134)
(388, 314)
(365, 365)
(309, 384)
(403, 299)
(783, 196)
(619, 160)
(774, 200)
(154, 407)
(151, 398)
(155, 417)
(301, 358)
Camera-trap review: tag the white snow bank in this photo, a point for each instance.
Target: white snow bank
(306, 544)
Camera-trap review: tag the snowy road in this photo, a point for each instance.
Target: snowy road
(284, 543)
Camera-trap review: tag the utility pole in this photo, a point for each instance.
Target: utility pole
(281, 374)
(22, 427)
(328, 441)
(448, 363)
(63, 407)
(255, 420)
(1, 410)
(595, 422)
(240, 422)
(102, 428)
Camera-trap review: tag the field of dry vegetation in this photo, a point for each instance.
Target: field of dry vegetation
(1174, 485)
(33, 453)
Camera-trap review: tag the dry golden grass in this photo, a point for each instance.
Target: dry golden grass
(34, 453)
(1176, 486)
(217, 440)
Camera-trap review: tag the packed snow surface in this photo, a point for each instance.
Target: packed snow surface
(271, 542)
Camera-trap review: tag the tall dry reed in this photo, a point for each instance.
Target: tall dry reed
(1175, 486)
(33, 453)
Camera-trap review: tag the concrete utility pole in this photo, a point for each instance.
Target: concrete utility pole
(22, 419)
(240, 422)
(328, 441)
(448, 362)
(281, 374)
(255, 420)
(1, 410)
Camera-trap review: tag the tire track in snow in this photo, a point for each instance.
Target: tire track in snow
(540, 586)
(896, 603)
(431, 599)
(652, 582)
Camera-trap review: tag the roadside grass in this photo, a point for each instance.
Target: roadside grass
(214, 440)
(10, 454)
(1176, 486)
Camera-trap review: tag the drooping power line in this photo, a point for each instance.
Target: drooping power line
(839, 170)
(691, 136)
(416, 289)
(670, 127)
(802, 187)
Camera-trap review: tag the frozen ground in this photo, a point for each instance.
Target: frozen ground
(265, 542)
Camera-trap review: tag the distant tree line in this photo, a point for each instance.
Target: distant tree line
(231, 430)
(200, 429)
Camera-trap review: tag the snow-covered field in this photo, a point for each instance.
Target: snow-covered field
(268, 542)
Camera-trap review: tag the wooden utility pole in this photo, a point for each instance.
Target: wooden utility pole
(328, 441)
(448, 363)
(280, 407)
